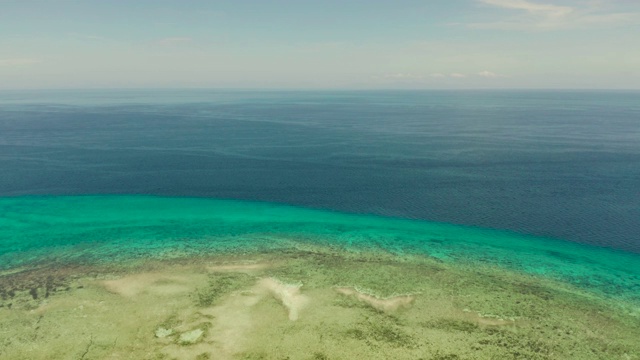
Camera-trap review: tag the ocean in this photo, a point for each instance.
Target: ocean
(561, 164)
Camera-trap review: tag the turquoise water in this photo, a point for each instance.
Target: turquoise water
(65, 230)
(560, 164)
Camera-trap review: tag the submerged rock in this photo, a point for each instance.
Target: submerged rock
(191, 337)
(163, 333)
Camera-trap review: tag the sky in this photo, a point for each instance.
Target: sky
(313, 44)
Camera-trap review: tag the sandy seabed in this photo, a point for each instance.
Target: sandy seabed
(311, 303)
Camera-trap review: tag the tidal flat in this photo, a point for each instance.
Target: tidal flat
(306, 302)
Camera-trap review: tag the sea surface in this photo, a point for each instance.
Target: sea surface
(559, 165)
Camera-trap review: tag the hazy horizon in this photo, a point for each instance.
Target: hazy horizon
(282, 45)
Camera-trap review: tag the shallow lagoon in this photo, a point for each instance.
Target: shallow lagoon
(156, 277)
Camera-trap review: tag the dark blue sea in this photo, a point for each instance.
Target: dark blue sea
(561, 164)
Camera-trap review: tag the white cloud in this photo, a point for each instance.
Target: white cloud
(403, 76)
(18, 62)
(413, 77)
(489, 74)
(530, 15)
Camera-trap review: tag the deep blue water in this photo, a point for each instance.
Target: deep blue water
(554, 163)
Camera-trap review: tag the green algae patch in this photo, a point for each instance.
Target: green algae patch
(190, 337)
(153, 311)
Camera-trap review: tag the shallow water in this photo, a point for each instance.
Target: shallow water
(101, 229)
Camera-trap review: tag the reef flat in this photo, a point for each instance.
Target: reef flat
(309, 303)
(97, 277)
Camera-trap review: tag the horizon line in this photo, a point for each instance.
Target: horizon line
(268, 89)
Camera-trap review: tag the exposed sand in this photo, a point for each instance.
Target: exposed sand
(289, 295)
(249, 308)
(387, 305)
(154, 283)
(244, 268)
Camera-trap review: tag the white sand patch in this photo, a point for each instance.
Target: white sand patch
(386, 305)
(490, 320)
(243, 268)
(163, 332)
(288, 294)
(234, 322)
(191, 337)
(158, 284)
(487, 320)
